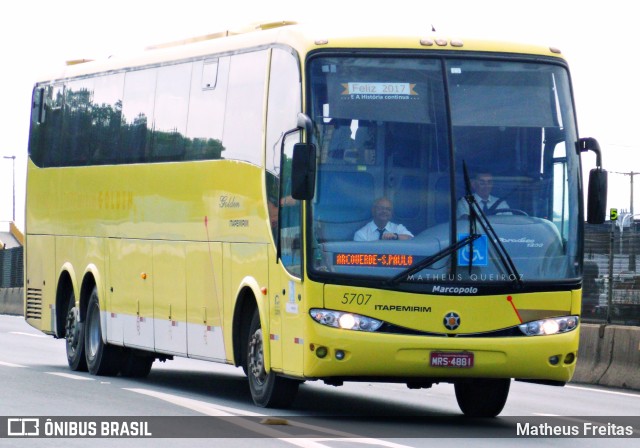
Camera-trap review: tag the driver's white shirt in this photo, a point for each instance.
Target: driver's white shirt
(370, 231)
(463, 206)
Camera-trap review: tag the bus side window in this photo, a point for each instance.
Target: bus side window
(170, 113)
(137, 116)
(284, 104)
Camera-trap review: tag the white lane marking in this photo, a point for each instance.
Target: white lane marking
(10, 364)
(224, 411)
(196, 405)
(604, 391)
(29, 334)
(70, 376)
(364, 441)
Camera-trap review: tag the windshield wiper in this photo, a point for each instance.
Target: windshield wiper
(477, 214)
(423, 264)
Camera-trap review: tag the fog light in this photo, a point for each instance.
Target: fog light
(321, 352)
(339, 355)
(569, 358)
(554, 360)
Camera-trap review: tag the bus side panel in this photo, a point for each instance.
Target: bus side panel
(169, 297)
(40, 301)
(276, 310)
(132, 293)
(246, 265)
(293, 331)
(79, 255)
(204, 301)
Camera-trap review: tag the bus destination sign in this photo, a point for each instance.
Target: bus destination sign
(374, 260)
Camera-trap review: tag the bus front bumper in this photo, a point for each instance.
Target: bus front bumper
(335, 353)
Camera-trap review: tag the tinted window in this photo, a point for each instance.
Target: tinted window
(76, 128)
(245, 107)
(137, 115)
(44, 139)
(170, 113)
(206, 109)
(284, 105)
(106, 117)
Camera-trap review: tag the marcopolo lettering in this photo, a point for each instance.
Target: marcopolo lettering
(455, 289)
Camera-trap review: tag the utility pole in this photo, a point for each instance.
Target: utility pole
(613, 217)
(632, 246)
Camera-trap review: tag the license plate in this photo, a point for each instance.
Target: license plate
(460, 360)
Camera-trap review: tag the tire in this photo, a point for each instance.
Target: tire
(482, 397)
(102, 359)
(74, 336)
(268, 390)
(135, 365)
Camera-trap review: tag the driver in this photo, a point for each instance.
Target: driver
(482, 184)
(381, 228)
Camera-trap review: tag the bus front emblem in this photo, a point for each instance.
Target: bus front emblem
(451, 321)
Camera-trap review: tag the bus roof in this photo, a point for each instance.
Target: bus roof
(300, 37)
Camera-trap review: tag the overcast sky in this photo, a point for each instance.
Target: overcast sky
(598, 39)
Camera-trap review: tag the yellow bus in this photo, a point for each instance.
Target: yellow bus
(215, 198)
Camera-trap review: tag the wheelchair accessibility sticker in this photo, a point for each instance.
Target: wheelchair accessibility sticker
(480, 249)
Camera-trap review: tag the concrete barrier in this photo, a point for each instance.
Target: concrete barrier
(594, 353)
(609, 355)
(12, 301)
(624, 369)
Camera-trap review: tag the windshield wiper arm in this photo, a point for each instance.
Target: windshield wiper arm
(423, 264)
(476, 213)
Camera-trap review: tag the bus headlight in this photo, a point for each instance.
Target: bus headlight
(346, 321)
(553, 325)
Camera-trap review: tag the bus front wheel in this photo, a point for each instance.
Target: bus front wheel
(102, 359)
(482, 397)
(268, 390)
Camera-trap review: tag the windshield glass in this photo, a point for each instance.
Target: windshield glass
(396, 135)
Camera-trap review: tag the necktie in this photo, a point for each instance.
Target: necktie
(485, 202)
(380, 231)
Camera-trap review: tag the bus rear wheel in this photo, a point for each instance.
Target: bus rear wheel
(74, 336)
(480, 397)
(135, 365)
(102, 359)
(268, 390)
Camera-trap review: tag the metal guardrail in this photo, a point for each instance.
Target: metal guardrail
(611, 289)
(11, 268)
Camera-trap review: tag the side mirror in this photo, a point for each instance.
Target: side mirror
(597, 196)
(597, 193)
(303, 176)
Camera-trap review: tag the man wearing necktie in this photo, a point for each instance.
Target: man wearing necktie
(482, 184)
(381, 228)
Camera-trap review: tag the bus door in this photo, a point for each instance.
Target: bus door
(288, 307)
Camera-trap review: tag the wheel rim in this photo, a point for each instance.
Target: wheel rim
(256, 358)
(71, 331)
(94, 332)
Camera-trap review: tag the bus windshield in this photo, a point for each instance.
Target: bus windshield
(414, 151)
